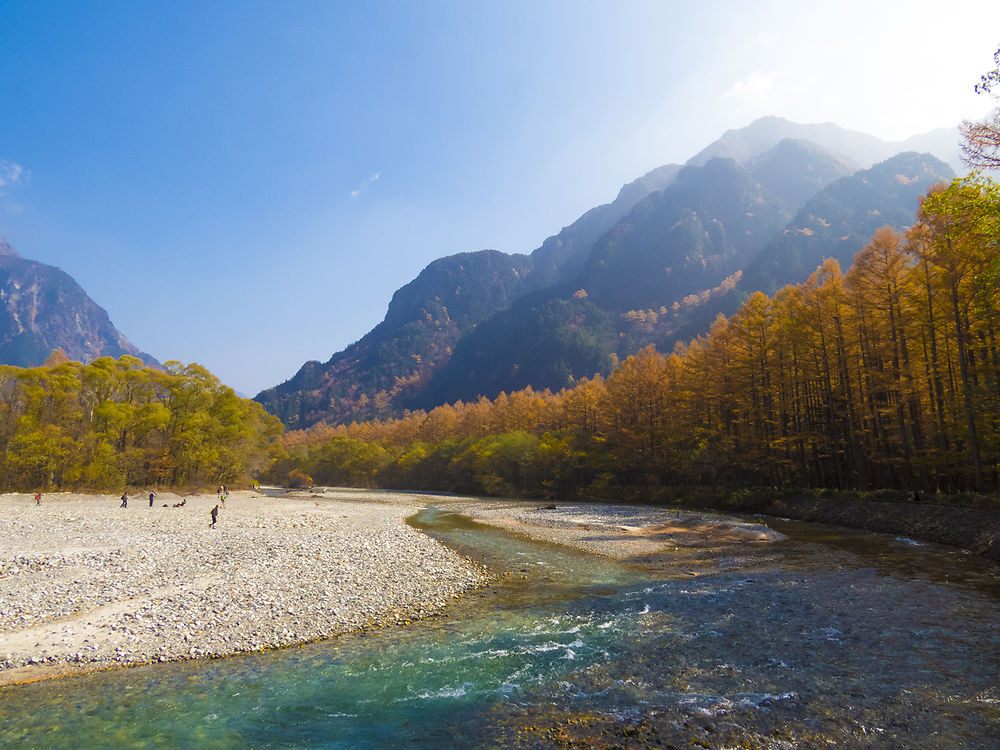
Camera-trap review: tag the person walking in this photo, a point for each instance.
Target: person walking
(124, 500)
(215, 516)
(38, 498)
(151, 496)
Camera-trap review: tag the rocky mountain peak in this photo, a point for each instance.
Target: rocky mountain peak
(42, 309)
(6, 250)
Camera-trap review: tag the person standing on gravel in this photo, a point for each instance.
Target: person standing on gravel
(124, 500)
(151, 496)
(215, 515)
(38, 498)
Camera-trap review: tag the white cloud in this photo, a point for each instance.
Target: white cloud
(364, 184)
(10, 175)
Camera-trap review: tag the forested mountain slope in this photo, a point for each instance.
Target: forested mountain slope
(838, 221)
(677, 250)
(390, 366)
(657, 263)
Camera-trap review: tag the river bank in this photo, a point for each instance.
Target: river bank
(86, 584)
(970, 528)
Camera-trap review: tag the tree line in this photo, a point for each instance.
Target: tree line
(112, 424)
(887, 375)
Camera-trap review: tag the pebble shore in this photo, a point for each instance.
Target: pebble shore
(622, 532)
(86, 584)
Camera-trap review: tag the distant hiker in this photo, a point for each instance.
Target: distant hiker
(124, 500)
(151, 496)
(222, 499)
(38, 498)
(215, 516)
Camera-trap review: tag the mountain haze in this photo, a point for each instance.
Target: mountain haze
(861, 149)
(838, 221)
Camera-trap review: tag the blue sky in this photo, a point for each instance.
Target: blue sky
(245, 184)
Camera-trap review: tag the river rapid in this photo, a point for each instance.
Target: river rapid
(831, 638)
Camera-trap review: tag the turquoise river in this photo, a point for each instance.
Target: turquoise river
(832, 639)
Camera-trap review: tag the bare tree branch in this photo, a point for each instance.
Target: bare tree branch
(981, 140)
(981, 143)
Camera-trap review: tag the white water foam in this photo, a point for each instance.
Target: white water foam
(445, 692)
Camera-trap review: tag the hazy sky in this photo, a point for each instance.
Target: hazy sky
(244, 184)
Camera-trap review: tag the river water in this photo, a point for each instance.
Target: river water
(832, 638)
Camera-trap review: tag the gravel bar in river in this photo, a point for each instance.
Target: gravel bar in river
(86, 584)
(622, 532)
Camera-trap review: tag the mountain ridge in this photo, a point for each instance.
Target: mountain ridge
(861, 148)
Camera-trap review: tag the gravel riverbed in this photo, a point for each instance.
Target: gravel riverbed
(86, 584)
(623, 532)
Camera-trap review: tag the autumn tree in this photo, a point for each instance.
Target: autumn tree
(115, 422)
(962, 224)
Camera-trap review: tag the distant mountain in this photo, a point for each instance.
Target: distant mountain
(838, 221)
(42, 309)
(391, 365)
(676, 247)
(425, 319)
(543, 341)
(794, 170)
(861, 149)
(564, 255)
(705, 226)
(835, 223)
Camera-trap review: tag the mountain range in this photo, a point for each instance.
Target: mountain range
(43, 309)
(758, 209)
